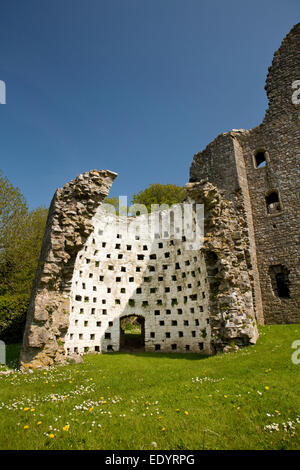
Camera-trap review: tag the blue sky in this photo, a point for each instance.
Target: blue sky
(134, 86)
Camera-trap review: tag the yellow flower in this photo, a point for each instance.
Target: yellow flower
(225, 396)
(267, 388)
(66, 427)
(186, 412)
(91, 409)
(91, 378)
(163, 429)
(177, 409)
(70, 381)
(39, 422)
(32, 409)
(51, 436)
(26, 409)
(26, 426)
(101, 398)
(276, 411)
(159, 417)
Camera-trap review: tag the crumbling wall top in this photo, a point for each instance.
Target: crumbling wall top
(68, 227)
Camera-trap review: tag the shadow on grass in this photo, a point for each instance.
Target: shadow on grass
(133, 341)
(13, 355)
(159, 355)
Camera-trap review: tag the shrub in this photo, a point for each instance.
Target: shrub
(13, 310)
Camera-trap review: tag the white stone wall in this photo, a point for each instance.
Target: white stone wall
(119, 273)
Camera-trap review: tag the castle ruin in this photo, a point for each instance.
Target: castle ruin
(188, 299)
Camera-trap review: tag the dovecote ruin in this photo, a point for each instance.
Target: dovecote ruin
(188, 298)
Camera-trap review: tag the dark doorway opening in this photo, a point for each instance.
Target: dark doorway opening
(282, 285)
(260, 159)
(273, 203)
(132, 333)
(280, 280)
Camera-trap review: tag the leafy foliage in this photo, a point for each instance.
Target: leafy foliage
(21, 234)
(160, 194)
(155, 194)
(114, 202)
(12, 317)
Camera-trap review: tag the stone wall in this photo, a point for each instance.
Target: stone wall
(178, 287)
(67, 229)
(97, 268)
(204, 298)
(226, 251)
(120, 272)
(222, 164)
(230, 163)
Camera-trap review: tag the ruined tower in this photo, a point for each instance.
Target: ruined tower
(262, 168)
(204, 299)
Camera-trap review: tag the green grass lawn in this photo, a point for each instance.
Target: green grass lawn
(162, 401)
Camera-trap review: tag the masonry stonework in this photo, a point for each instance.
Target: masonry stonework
(269, 189)
(205, 298)
(67, 229)
(120, 274)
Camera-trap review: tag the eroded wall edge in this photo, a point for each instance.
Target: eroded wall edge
(68, 227)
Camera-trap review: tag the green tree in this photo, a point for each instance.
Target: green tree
(13, 211)
(114, 201)
(160, 194)
(27, 250)
(21, 233)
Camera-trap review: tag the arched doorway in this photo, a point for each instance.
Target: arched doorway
(132, 333)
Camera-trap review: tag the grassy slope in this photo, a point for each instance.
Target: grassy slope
(141, 399)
